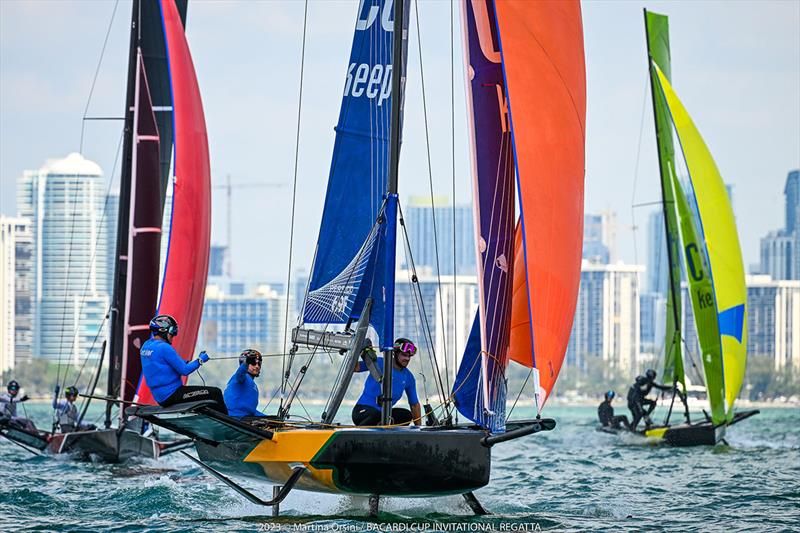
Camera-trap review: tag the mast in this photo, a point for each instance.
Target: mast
(663, 137)
(390, 213)
(116, 328)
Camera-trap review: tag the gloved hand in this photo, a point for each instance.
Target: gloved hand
(58, 389)
(203, 357)
(24, 398)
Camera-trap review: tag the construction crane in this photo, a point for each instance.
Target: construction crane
(229, 211)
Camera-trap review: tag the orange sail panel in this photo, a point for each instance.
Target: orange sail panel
(542, 50)
(186, 271)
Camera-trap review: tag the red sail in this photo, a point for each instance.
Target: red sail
(144, 234)
(542, 50)
(186, 272)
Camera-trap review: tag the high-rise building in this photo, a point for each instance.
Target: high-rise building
(420, 222)
(216, 260)
(251, 320)
(652, 310)
(792, 193)
(607, 318)
(65, 202)
(449, 311)
(600, 237)
(777, 255)
(657, 260)
(16, 302)
(773, 321)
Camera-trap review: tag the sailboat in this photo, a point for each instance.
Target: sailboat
(527, 111)
(163, 103)
(700, 227)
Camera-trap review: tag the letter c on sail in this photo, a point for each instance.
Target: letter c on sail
(363, 24)
(691, 254)
(484, 28)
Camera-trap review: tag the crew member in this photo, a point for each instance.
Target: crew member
(637, 398)
(67, 411)
(241, 394)
(367, 411)
(163, 368)
(605, 412)
(8, 406)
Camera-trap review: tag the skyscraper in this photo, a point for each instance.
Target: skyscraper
(65, 200)
(420, 221)
(777, 254)
(792, 193)
(607, 317)
(600, 237)
(16, 278)
(773, 321)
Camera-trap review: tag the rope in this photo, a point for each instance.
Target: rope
(453, 162)
(508, 416)
(75, 192)
(294, 187)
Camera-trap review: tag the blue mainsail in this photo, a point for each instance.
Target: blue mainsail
(480, 387)
(351, 248)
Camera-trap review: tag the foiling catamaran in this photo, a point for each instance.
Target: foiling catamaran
(163, 111)
(698, 219)
(527, 104)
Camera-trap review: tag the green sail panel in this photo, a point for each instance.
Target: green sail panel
(657, 28)
(704, 307)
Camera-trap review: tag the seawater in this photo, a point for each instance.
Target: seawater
(570, 479)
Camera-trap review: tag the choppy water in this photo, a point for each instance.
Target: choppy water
(572, 479)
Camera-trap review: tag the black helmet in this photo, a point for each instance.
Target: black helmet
(406, 346)
(610, 395)
(13, 386)
(650, 374)
(71, 391)
(251, 356)
(163, 325)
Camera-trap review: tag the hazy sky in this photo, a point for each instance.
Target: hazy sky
(736, 66)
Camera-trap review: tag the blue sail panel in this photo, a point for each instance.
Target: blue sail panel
(469, 384)
(348, 247)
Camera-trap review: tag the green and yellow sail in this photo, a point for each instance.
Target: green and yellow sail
(712, 255)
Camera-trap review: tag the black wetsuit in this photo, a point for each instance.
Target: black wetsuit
(637, 399)
(605, 413)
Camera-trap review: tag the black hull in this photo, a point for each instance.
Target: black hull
(390, 462)
(684, 435)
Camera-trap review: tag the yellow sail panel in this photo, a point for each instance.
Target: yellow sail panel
(722, 242)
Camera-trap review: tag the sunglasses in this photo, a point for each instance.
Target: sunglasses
(253, 361)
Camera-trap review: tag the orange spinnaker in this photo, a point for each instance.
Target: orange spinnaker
(542, 50)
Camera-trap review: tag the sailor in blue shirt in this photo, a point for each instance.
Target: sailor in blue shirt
(367, 411)
(241, 394)
(163, 368)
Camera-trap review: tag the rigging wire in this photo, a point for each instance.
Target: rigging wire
(453, 162)
(522, 388)
(75, 192)
(636, 172)
(294, 188)
(430, 184)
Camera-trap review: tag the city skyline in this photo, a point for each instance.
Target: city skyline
(749, 49)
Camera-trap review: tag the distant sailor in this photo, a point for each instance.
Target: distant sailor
(241, 394)
(163, 369)
(8, 406)
(605, 412)
(367, 411)
(637, 398)
(67, 412)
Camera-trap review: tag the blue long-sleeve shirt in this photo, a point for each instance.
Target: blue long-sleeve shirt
(163, 368)
(241, 394)
(402, 381)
